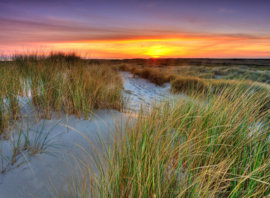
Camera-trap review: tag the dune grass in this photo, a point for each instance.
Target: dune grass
(26, 142)
(185, 148)
(193, 84)
(151, 74)
(253, 70)
(216, 145)
(243, 72)
(185, 84)
(57, 83)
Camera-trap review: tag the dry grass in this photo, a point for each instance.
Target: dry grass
(124, 67)
(153, 75)
(55, 83)
(187, 80)
(184, 148)
(191, 85)
(207, 71)
(185, 84)
(51, 84)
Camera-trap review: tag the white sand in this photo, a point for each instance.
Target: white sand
(143, 91)
(32, 178)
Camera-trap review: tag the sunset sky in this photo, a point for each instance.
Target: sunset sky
(137, 29)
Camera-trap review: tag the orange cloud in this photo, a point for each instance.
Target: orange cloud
(158, 44)
(165, 46)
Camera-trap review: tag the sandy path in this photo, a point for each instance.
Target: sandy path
(141, 91)
(32, 178)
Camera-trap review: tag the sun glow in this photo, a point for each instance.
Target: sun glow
(215, 47)
(157, 51)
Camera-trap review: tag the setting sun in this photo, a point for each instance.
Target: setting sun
(157, 51)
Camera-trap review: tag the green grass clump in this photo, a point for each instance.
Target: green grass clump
(186, 148)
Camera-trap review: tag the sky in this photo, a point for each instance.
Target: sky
(137, 29)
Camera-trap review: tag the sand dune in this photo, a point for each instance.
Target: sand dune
(32, 176)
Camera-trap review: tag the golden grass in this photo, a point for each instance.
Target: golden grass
(58, 82)
(205, 70)
(148, 73)
(185, 148)
(184, 82)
